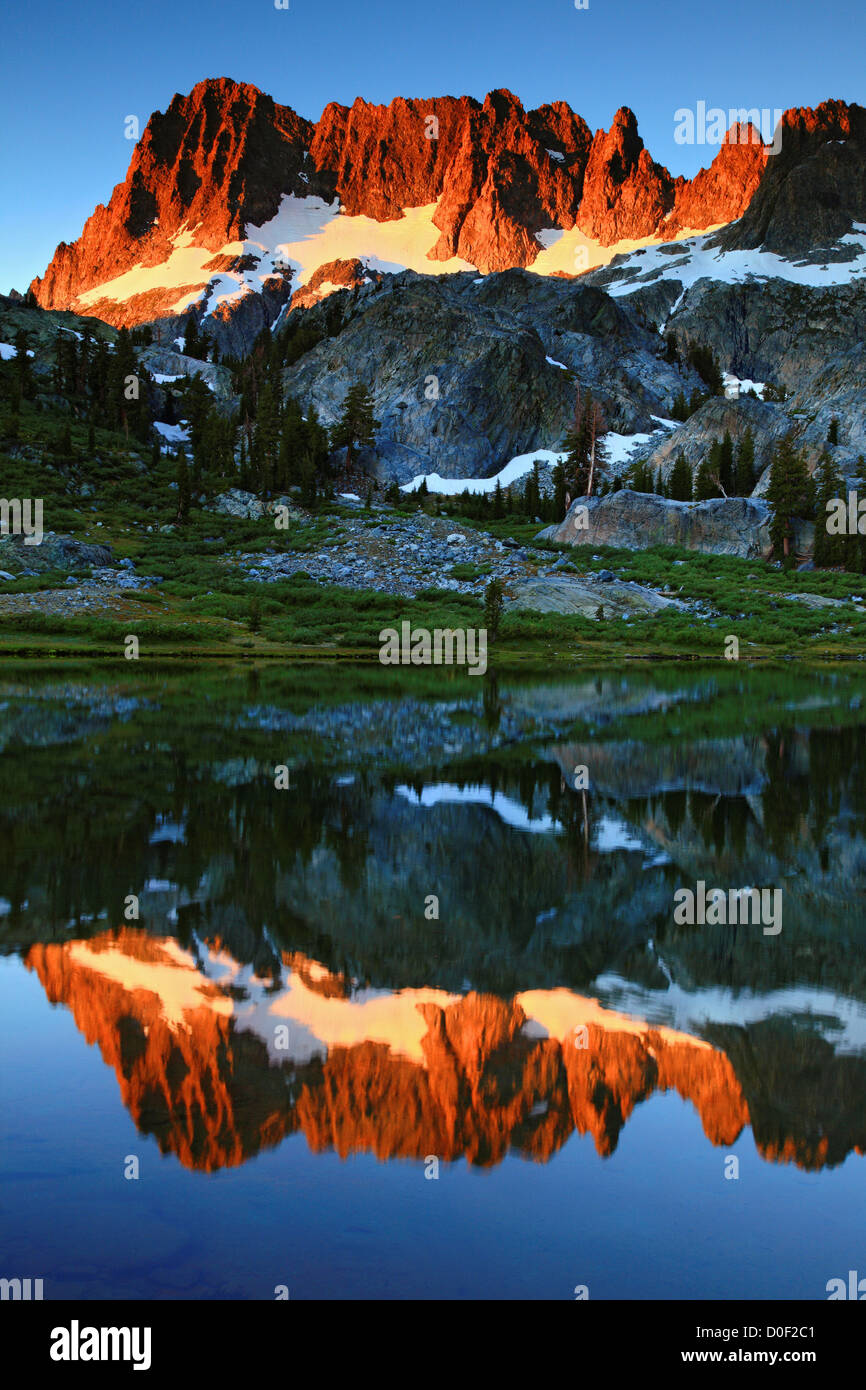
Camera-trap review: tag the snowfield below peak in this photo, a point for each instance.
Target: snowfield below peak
(697, 259)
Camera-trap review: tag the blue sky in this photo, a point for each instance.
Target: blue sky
(73, 72)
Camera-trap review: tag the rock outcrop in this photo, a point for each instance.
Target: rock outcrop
(590, 598)
(635, 520)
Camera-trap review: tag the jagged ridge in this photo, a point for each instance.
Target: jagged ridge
(222, 158)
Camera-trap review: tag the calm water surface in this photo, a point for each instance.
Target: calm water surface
(382, 997)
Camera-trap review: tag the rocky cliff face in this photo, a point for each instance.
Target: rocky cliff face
(429, 350)
(215, 160)
(813, 189)
(221, 159)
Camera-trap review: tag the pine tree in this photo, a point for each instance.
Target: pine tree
(357, 426)
(494, 604)
(317, 449)
(184, 497)
(705, 363)
(26, 382)
(830, 550)
(498, 506)
(536, 489)
(192, 345)
(705, 487)
(584, 451)
(680, 485)
(791, 493)
(266, 437)
(680, 407)
(833, 432)
(641, 478)
(293, 444)
(744, 473)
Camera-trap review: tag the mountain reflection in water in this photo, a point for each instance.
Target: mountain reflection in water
(195, 1043)
(280, 972)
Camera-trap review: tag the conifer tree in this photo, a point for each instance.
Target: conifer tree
(26, 382)
(680, 485)
(559, 492)
(536, 489)
(192, 344)
(583, 447)
(184, 497)
(744, 473)
(791, 493)
(266, 437)
(705, 363)
(680, 407)
(641, 478)
(317, 449)
(357, 426)
(293, 444)
(830, 549)
(705, 487)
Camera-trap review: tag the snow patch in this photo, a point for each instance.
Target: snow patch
(573, 253)
(620, 447)
(737, 386)
(517, 468)
(304, 234)
(172, 434)
(508, 810)
(700, 261)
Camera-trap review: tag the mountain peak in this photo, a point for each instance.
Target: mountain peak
(471, 183)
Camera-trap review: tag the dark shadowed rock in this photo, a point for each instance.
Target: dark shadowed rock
(813, 189)
(695, 437)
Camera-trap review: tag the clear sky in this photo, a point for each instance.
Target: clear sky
(71, 73)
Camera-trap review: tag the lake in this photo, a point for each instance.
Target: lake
(337, 984)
